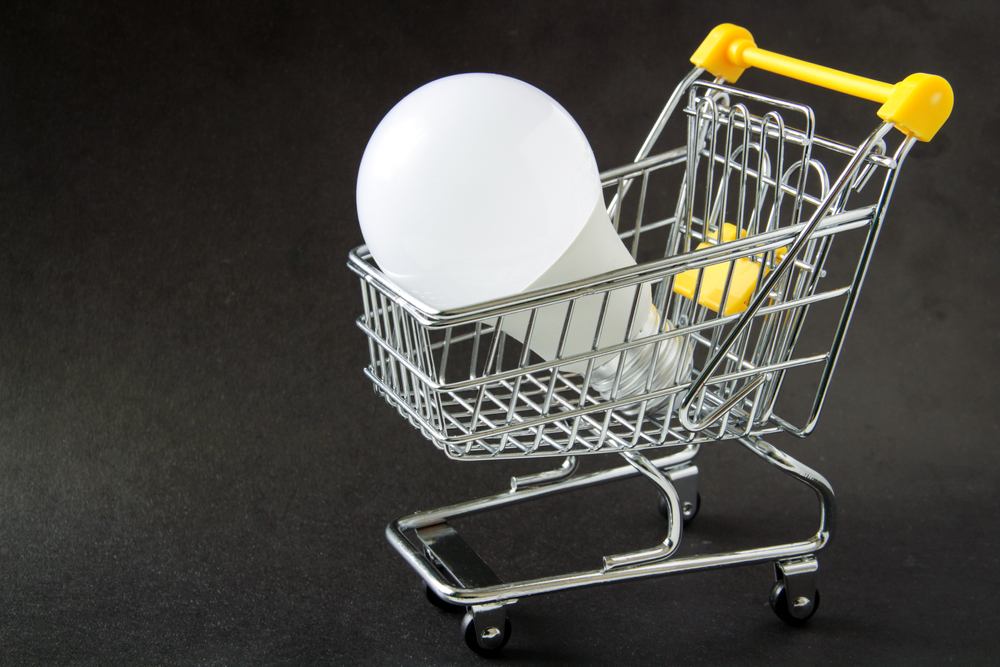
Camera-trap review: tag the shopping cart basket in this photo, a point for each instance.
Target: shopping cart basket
(734, 232)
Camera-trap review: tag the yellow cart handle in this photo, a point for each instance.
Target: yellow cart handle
(918, 105)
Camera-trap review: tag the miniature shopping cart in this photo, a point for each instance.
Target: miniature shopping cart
(754, 224)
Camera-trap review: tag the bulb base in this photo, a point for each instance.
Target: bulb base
(646, 369)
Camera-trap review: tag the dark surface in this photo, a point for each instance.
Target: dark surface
(194, 470)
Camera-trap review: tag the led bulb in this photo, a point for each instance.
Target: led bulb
(479, 186)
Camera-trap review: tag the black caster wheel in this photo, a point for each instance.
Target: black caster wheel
(441, 603)
(779, 603)
(469, 634)
(688, 512)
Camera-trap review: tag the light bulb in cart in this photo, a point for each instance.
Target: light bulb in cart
(479, 186)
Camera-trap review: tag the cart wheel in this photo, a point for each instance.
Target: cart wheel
(440, 602)
(469, 634)
(688, 513)
(779, 603)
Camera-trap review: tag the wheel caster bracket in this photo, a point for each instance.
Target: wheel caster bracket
(487, 626)
(799, 578)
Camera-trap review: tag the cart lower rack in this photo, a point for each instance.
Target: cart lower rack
(732, 234)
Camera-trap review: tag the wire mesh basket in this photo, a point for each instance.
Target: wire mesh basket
(715, 219)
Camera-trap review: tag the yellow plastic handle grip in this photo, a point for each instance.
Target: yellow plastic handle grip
(918, 105)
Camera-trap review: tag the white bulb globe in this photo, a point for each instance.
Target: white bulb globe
(472, 187)
(479, 186)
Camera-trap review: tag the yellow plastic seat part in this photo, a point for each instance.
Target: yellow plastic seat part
(713, 283)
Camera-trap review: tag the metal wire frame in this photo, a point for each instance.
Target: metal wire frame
(476, 392)
(624, 567)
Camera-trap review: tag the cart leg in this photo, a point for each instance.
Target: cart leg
(806, 475)
(673, 514)
(794, 597)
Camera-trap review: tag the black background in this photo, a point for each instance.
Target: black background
(193, 468)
